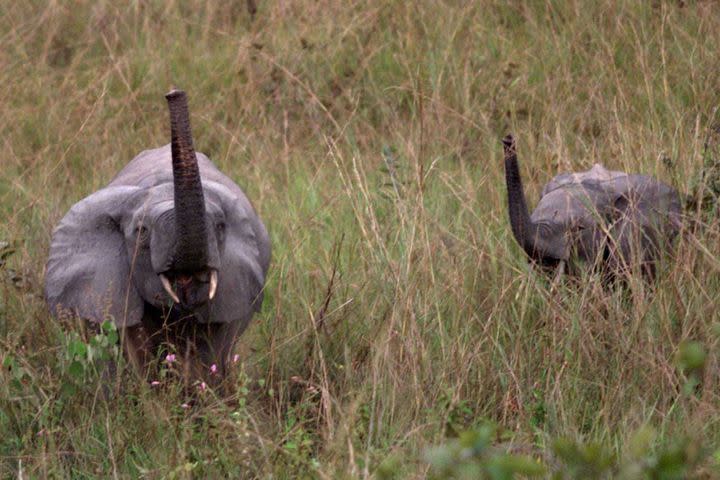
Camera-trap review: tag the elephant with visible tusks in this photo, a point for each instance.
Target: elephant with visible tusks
(609, 220)
(171, 251)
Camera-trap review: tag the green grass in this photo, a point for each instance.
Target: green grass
(435, 323)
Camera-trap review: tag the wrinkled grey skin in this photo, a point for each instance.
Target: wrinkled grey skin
(108, 252)
(607, 219)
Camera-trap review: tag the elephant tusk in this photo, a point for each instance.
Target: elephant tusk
(213, 284)
(168, 288)
(560, 271)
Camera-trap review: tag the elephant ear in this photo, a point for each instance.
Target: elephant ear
(88, 272)
(649, 219)
(241, 276)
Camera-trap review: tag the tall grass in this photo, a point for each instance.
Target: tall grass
(398, 309)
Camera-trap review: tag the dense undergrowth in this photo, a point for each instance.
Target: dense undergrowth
(403, 333)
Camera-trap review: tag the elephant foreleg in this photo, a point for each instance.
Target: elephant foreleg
(137, 344)
(215, 349)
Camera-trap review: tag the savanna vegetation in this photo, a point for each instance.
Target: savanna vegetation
(403, 333)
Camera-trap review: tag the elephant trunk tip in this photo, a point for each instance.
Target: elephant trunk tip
(509, 148)
(174, 93)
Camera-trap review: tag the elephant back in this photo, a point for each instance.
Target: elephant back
(585, 197)
(597, 175)
(154, 167)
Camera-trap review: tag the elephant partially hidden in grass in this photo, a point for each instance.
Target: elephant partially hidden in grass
(613, 221)
(171, 250)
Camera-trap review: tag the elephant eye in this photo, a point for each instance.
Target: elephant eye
(549, 263)
(142, 233)
(220, 226)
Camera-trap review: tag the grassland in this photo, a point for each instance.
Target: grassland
(398, 310)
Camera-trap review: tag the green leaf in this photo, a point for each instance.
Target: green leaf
(566, 449)
(691, 356)
(18, 372)
(78, 349)
(104, 354)
(112, 337)
(478, 440)
(388, 468)
(641, 441)
(76, 369)
(440, 458)
(9, 362)
(68, 389)
(509, 465)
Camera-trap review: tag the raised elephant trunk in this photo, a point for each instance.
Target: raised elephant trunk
(191, 251)
(523, 228)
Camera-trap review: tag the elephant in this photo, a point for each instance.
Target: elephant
(606, 220)
(171, 251)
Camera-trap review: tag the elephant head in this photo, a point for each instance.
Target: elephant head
(605, 218)
(169, 238)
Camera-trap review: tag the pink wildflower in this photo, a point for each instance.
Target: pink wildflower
(236, 358)
(185, 406)
(154, 383)
(213, 369)
(202, 386)
(170, 358)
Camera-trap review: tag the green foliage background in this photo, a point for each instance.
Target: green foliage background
(367, 136)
